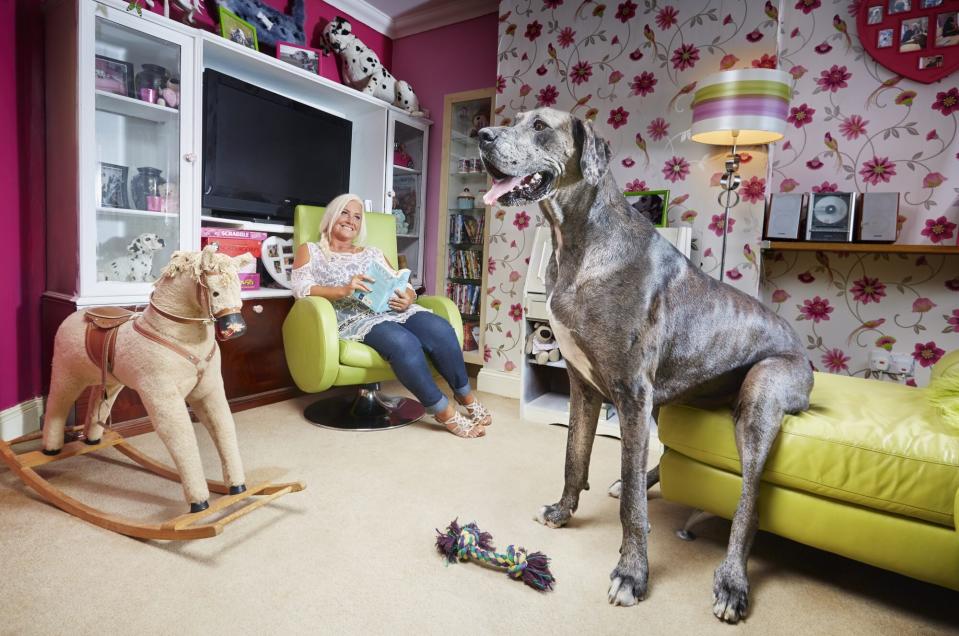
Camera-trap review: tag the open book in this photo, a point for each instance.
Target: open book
(384, 284)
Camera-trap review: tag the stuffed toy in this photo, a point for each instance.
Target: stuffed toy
(363, 70)
(189, 7)
(137, 267)
(272, 26)
(480, 121)
(542, 345)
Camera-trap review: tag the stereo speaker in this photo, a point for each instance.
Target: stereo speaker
(784, 217)
(879, 216)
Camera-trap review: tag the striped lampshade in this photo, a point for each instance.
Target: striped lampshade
(752, 103)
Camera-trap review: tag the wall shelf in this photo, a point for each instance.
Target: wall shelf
(874, 248)
(123, 105)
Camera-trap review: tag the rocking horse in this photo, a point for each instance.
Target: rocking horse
(166, 354)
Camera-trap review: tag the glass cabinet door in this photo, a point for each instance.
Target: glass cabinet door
(139, 161)
(408, 159)
(466, 183)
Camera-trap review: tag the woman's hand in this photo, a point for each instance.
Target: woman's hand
(357, 284)
(401, 300)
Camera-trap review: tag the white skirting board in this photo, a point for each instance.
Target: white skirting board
(499, 382)
(21, 419)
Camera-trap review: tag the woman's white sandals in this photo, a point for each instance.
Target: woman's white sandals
(479, 414)
(460, 426)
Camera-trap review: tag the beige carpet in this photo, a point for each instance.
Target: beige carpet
(353, 554)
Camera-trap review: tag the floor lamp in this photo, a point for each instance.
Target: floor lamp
(739, 108)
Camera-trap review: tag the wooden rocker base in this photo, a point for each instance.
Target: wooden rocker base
(182, 527)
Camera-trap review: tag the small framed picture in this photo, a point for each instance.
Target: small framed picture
(947, 29)
(238, 30)
(899, 6)
(929, 4)
(272, 252)
(112, 188)
(930, 61)
(305, 58)
(914, 34)
(113, 76)
(874, 16)
(885, 39)
(650, 204)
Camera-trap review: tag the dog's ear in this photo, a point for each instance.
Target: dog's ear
(594, 154)
(134, 247)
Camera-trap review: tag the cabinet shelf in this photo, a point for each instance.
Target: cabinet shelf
(470, 174)
(405, 170)
(276, 228)
(265, 292)
(132, 212)
(407, 236)
(874, 248)
(130, 107)
(469, 210)
(461, 279)
(559, 364)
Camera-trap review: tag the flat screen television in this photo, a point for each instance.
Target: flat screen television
(263, 153)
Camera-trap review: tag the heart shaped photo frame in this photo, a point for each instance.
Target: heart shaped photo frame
(277, 257)
(917, 39)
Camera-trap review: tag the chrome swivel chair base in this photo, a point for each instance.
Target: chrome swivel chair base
(366, 410)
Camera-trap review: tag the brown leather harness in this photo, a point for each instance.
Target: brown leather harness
(103, 323)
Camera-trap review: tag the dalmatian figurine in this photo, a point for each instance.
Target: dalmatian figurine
(137, 267)
(363, 70)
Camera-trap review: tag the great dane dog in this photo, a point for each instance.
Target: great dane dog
(640, 324)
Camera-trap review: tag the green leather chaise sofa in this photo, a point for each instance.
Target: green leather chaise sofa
(870, 472)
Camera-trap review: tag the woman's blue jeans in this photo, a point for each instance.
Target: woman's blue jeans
(403, 345)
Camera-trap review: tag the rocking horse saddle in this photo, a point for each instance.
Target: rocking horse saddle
(101, 335)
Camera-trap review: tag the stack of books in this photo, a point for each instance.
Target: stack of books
(466, 229)
(464, 264)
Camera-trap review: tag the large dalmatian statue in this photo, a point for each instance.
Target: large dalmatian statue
(363, 70)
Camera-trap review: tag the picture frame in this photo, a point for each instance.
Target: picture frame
(831, 217)
(884, 38)
(236, 29)
(112, 186)
(651, 204)
(300, 56)
(947, 29)
(929, 4)
(113, 76)
(930, 61)
(899, 6)
(875, 15)
(914, 34)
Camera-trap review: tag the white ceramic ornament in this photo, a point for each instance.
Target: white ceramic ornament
(277, 257)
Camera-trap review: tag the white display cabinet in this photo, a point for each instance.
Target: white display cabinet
(544, 394)
(462, 242)
(103, 133)
(136, 167)
(406, 191)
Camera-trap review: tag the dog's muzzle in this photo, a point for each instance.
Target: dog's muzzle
(229, 325)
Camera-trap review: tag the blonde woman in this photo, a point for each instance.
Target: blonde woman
(336, 266)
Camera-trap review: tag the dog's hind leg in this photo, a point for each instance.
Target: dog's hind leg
(630, 578)
(584, 405)
(652, 478)
(772, 387)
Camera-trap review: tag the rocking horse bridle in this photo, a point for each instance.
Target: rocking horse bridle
(229, 322)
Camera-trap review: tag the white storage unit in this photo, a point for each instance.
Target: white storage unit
(545, 387)
(100, 134)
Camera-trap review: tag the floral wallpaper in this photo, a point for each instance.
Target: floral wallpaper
(631, 67)
(859, 127)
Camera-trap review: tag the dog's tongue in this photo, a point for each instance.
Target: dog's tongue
(499, 188)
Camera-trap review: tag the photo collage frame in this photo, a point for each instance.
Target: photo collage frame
(918, 39)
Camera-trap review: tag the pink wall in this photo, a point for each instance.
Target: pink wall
(450, 59)
(21, 191)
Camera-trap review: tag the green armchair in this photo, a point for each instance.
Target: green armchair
(319, 360)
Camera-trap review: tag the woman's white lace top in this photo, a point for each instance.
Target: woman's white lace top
(353, 319)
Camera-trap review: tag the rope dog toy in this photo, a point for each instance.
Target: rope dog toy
(469, 542)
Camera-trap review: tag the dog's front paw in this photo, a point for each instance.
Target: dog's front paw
(554, 516)
(627, 586)
(730, 595)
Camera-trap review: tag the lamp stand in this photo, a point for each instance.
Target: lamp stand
(730, 183)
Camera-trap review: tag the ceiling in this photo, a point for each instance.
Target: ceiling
(399, 18)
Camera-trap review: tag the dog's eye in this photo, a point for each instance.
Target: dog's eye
(538, 125)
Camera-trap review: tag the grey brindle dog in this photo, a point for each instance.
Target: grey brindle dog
(639, 323)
